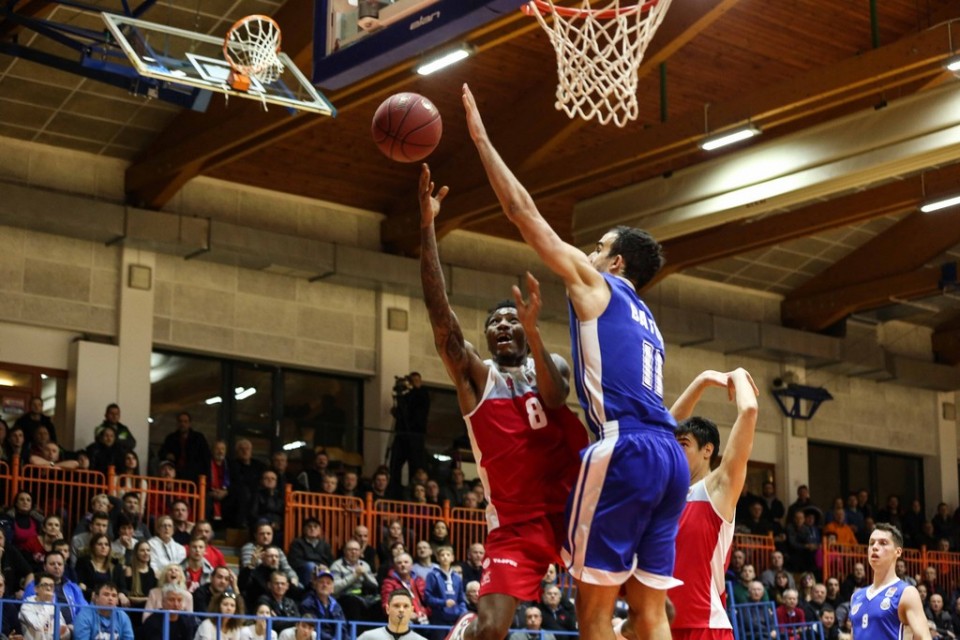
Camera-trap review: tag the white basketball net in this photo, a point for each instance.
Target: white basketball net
(251, 48)
(599, 54)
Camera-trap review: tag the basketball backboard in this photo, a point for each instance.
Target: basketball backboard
(195, 61)
(357, 38)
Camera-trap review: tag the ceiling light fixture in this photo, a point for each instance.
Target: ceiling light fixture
(445, 59)
(952, 64)
(729, 137)
(940, 203)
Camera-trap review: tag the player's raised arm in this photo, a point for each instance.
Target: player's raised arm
(565, 260)
(911, 613)
(463, 365)
(553, 374)
(687, 402)
(727, 481)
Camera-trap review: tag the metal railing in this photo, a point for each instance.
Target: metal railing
(67, 492)
(325, 629)
(758, 621)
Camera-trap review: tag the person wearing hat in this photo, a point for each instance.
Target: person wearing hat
(321, 604)
(309, 551)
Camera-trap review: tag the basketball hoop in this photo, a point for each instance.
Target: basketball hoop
(250, 48)
(599, 50)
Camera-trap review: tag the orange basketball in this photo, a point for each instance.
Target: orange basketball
(407, 127)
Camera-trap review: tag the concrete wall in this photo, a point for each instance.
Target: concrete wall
(55, 289)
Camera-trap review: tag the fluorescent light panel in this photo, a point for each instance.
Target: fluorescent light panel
(942, 203)
(952, 64)
(729, 137)
(443, 60)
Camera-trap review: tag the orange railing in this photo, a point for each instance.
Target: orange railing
(947, 564)
(838, 561)
(339, 515)
(156, 494)
(757, 549)
(62, 492)
(466, 527)
(6, 482)
(67, 492)
(417, 519)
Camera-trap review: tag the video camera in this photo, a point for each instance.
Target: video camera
(401, 386)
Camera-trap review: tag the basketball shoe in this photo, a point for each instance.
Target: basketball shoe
(456, 631)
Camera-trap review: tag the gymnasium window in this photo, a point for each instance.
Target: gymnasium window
(275, 407)
(836, 471)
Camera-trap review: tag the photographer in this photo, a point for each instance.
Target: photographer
(410, 411)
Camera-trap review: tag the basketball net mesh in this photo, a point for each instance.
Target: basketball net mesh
(599, 50)
(252, 46)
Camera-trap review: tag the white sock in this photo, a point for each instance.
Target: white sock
(617, 625)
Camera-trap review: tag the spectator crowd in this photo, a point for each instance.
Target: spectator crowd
(118, 554)
(791, 583)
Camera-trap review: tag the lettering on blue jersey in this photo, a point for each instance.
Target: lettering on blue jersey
(645, 321)
(639, 316)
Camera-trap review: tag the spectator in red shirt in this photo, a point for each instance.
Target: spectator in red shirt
(790, 614)
(402, 577)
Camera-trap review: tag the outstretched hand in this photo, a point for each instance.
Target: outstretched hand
(429, 203)
(711, 378)
(474, 121)
(528, 312)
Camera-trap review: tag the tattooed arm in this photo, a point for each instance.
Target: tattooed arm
(464, 365)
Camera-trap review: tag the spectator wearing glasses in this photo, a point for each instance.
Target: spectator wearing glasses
(38, 616)
(164, 549)
(54, 565)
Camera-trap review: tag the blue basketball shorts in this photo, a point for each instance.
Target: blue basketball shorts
(623, 513)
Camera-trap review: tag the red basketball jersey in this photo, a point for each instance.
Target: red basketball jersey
(527, 455)
(704, 541)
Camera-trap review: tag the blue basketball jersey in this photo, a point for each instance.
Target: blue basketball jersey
(877, 617)
(618, 363)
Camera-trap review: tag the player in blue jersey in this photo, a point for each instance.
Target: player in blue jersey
(884, 609)
(623, 512)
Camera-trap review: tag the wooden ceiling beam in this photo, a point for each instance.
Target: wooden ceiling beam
(906, 245)
(904, 248)
(818, 311)
(182, 150)
(199, 142)
(914, 57)
(740, 237)
(532, 134)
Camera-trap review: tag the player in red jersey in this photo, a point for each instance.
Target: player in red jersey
(706, 525)
(525, 440)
